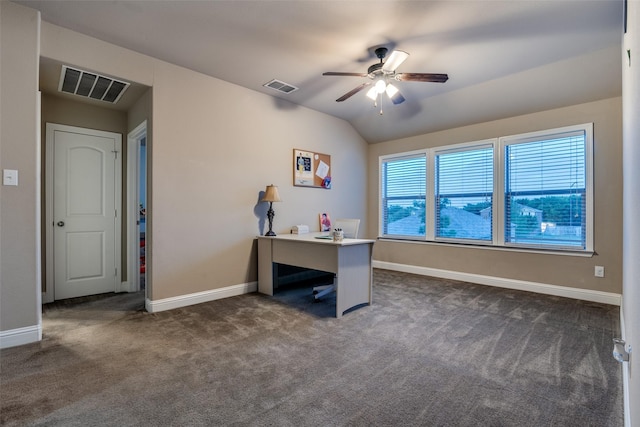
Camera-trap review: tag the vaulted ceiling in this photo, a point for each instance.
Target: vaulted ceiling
(503, 58)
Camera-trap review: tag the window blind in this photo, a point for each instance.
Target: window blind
(403, 195)
(545, 191)
(464, 193)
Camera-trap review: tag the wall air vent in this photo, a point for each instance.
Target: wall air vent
(280, 86)
(91, 85)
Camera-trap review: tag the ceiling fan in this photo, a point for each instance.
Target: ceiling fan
(381, 74)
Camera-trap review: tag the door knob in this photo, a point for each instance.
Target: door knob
(60, 223)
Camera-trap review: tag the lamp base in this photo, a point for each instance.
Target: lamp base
(270, 215)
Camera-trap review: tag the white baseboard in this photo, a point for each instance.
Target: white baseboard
(20, 336)
(500, 282)
(156, 306)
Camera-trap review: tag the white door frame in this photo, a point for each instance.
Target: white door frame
(48, 295)
(133, 196)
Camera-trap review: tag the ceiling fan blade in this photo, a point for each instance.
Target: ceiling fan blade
(353, 92)
(396, 58)
(422, 77)
(335, 73)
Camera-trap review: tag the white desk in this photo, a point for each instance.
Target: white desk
(349, 260)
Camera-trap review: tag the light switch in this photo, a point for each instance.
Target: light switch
(10, 177)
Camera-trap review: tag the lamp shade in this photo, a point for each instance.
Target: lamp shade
(271, 194)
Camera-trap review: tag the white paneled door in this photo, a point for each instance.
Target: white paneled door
(85, 219)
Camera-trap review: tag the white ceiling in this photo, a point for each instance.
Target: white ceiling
(503, 58)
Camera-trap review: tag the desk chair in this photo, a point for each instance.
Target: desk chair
(350, 228)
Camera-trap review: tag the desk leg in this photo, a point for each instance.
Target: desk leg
(265, 267)
(353, 280)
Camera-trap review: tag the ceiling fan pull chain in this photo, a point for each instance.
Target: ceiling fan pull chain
(380, 103)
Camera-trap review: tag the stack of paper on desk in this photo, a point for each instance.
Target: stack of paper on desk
(300, 229)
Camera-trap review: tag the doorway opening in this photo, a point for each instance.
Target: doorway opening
(137, 208)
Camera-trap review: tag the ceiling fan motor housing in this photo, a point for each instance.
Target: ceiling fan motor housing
(375, 70)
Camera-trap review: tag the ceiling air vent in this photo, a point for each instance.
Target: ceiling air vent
(280, 86)
(91, 85)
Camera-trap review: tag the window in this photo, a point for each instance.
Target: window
(464, 193)
(528, 191)
(545, 194)
(403, 193)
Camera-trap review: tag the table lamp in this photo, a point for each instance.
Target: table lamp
(271, 195)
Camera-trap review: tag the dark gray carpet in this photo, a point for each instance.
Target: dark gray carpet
(428, 352)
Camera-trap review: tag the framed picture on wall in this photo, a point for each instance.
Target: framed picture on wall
(311, 169)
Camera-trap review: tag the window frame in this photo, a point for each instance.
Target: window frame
(505, 141)
(499, 144)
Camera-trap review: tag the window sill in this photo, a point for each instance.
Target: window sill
(585, 254)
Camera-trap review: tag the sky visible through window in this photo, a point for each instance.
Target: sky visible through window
(556, 164)
(465, 177)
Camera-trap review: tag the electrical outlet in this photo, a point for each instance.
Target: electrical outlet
(599, 271)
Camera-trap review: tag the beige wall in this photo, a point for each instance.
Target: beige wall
(74, 113)
(140, 112)
(20, 150)
(211, 158)
(631, 224)
(561, 270)
(214, 147)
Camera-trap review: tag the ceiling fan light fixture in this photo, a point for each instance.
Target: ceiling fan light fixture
(380, 86)
(394, 94)
(372, 93)
(397, 98)
(391, 90)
